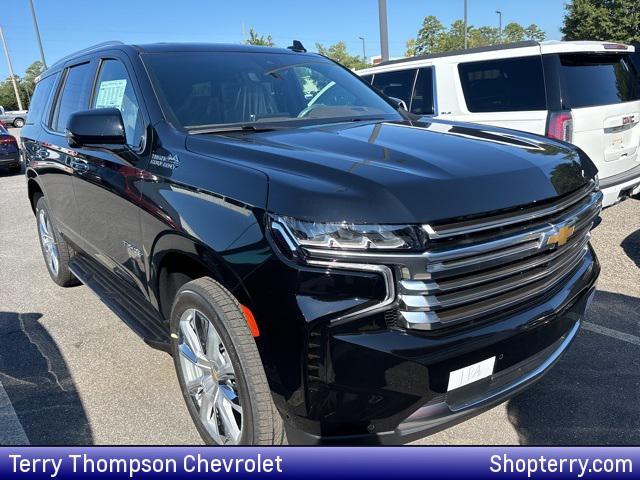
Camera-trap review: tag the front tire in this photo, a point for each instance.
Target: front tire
(55, 250)
(18, 123)
(219, 368)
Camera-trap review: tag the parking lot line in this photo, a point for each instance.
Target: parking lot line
(609, 332)
(11, 432)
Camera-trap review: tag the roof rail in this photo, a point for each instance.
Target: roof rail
(88, 50)
(502, 46)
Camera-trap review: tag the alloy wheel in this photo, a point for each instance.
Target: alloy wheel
(48, 242)
(209, 377)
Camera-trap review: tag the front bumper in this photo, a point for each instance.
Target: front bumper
(387, 386)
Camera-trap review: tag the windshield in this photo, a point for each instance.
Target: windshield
(205, 89)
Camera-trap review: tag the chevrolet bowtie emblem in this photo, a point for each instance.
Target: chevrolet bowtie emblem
(562, 237)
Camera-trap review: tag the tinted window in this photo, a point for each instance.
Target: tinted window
(40, 99)
(74, 96)
(398, 84)
(590, 80)
(114, 90)
(218, 88)
(367, 78)
(508, 85)
(422, 101)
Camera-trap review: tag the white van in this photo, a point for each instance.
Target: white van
(586, 93)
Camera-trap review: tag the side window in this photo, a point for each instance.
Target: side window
(74, 95)
(507, 85)
(40, 98)
(114, 90)
(397, 84)
(422, 101)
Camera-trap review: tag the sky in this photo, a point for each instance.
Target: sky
(70, 25)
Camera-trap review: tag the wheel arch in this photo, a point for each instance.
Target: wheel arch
(177, 259)
(33, 189)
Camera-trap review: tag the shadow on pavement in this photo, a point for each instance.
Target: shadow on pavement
(38, 383)
(631, 246)
(591, 396)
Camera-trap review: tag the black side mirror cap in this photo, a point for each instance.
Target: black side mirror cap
(101, 126)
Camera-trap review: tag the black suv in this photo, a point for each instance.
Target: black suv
(323, 267)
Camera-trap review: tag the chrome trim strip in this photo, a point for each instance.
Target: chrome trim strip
(284, 232)
(510, 220)
(386, 273)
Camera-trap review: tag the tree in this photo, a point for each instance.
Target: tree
(612, 20)
(513, 32)
(30, 75)
(260, 40)
(338, 52)
(434, 38)
(411, 48)
(429, 36)
(8, 96)
(483, 36)
(533, 32)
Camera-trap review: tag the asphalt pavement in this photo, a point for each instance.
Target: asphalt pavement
(72, 373)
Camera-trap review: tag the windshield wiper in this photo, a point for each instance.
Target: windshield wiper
(234, 128)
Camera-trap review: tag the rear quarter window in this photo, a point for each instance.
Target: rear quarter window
(422, 101)
(589, 80)
(398, 84)
(74, 95)
(40, 99)
(505, 85)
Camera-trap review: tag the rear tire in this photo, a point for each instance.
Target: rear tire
(18, 123)
(55, 250)
(219, 368)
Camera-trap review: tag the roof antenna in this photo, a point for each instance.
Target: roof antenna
(297, 47)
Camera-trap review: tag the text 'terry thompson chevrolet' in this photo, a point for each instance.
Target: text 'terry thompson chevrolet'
(323, 267)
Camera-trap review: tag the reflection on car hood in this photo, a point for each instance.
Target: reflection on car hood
(393, 172)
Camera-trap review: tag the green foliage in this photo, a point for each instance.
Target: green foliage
(533, 32)
(433, 37)
(260, 40)
(411, 48)
(26, 85)
(429, 36)
(612, 20)
(513, 32)
(338, 52)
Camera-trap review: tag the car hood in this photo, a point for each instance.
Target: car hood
(401, 172)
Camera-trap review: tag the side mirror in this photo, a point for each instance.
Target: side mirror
(399, 103)
(101, 126)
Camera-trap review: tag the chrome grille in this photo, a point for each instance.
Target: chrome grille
(483, 267)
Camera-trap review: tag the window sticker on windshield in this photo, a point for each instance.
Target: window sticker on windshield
(111, 93)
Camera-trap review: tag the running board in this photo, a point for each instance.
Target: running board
(137, 313)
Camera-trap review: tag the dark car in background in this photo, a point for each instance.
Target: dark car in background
(9, 151)
(323, 267)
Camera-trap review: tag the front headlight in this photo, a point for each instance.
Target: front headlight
(352, 236)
